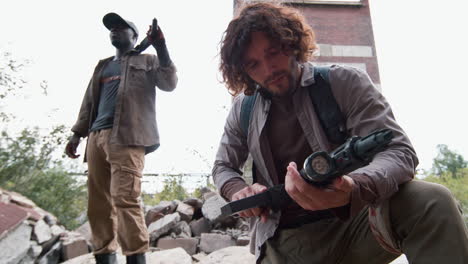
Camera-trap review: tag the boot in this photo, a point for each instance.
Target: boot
(107, 258)
(136, 259)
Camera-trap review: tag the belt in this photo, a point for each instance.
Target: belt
(304, 219)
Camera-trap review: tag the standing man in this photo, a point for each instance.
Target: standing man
(371, 215)
(118, 117)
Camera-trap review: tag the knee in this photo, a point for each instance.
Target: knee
(420, 195)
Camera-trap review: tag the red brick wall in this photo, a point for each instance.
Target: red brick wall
(348, 25)
(340, 24)
(343, 25)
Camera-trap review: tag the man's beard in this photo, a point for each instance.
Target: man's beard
(281, 91)
(292, 75)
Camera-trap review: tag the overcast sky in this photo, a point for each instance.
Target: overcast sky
(420, 47)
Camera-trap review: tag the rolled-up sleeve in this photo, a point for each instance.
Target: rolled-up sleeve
(366, 110)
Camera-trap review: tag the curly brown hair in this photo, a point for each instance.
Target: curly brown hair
(282, 24)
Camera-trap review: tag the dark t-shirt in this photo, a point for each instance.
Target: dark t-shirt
(288, 143)
(110, 81)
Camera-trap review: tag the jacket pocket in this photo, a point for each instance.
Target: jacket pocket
(138, 74)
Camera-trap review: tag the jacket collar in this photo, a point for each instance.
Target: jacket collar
(307, 77)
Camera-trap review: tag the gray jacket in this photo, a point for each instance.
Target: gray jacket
(135, 113)
(365, 110)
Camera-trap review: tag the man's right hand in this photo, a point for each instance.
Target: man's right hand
(249, 191)
(72, 145)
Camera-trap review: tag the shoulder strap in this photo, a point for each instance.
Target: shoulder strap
(246, 111)
(326, 107)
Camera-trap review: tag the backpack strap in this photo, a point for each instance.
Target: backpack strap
(326, 107)
(246, 111)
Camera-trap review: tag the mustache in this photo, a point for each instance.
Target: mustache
(274, 76)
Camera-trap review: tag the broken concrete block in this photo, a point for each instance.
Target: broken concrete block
(186, 211)
(182, 229)
(194, 202)
(159, 211)
(85, 231)
(74, 246)
(52, 256)
(172, 256)
(188, 244)
(21, 200)
(212, 208)
(57, 230)
(230, 255)
(212, 242)
(242, 241)
(163, 226)
(200, 226)
(15, 244)
(41, 232)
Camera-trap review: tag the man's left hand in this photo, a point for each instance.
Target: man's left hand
(310, 197)
(155, 36)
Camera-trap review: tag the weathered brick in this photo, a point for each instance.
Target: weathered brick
(73, 248)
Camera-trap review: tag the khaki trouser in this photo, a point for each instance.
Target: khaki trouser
(114, 188)
(424, 223)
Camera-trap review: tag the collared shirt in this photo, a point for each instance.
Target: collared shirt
(135, 110)
(365, 110)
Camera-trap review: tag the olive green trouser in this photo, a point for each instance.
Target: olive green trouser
(114, 188)
(425, 221)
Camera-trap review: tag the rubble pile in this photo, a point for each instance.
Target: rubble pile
(188, 231)
(195, 225)
(28, 234)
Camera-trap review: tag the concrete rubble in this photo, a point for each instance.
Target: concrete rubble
(189, 231)
(181, 232)
(29, 234)
(196, 226)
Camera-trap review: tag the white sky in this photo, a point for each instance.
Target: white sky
(420, 50)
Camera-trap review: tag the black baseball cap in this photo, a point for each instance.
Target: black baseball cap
(112, 19)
